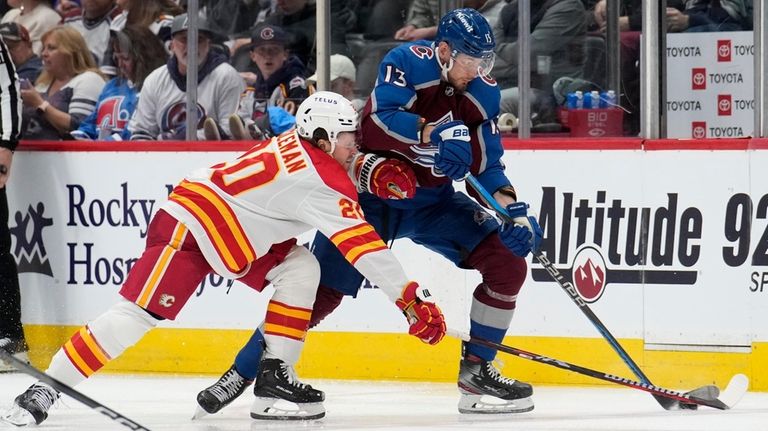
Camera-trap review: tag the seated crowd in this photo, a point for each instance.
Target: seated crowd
(84, 65)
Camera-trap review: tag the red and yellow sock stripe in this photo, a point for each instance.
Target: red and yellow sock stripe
(357, 241)
(284, 320)
(85, 353)
(219, 222)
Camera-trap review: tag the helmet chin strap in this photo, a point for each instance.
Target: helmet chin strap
(445, 67)
(332, 141)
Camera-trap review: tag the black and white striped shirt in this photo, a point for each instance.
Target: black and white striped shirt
(10, 101)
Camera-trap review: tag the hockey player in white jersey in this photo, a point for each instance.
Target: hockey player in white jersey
(239, 219)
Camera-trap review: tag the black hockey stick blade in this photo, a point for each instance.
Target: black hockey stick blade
(736, 389)
(66, 389)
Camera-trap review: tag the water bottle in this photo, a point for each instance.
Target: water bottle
(595, 99)
(570, 101)
(579, 100)
(608, 99)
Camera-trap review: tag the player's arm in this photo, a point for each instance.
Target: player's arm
(385, 177)
(339, 217)
(393, 94)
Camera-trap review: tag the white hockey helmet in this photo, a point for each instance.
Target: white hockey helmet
(328, 111)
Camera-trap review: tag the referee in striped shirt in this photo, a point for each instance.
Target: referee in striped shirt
(11, 332)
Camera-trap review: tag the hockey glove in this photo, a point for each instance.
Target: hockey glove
(454, 151)
(385, 178)
(524, 234)
(425, 318)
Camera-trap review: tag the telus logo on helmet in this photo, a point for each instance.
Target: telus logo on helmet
(325, 100)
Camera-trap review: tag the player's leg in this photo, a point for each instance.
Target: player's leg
(245, 368)
(158, 285)
(285, 329)
(467, 236)
(11, 332)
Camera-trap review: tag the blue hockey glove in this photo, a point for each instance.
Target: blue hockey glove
(525, 234)
(454, 152)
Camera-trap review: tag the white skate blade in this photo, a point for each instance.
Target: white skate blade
(199, 413)
(7, 367)
(282, 410)
(486, 404)
(17, 416)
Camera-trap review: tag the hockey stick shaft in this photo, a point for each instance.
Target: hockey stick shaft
(568, 287)
(66, 389)
(643, 386)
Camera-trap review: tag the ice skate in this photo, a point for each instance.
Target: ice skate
(479, 378)
(219, 395)
(281, 396)
(17, 348)
(31, 407)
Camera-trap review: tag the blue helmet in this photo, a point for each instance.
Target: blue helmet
(467, 32)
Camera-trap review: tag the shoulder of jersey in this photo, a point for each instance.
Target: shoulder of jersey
(417, 60)
(485, 90)
(332, 173)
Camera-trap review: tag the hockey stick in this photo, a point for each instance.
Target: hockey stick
(61, 387)
(568, 287)
(704, 396)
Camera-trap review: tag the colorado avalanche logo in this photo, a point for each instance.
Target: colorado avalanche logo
(175, 116)
(111, 114)
(589, 273)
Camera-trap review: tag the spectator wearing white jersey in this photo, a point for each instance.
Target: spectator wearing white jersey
(67, 89)
(94, 24)
(161, 112)
(36, 16)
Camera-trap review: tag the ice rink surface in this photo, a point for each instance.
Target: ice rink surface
(167, 403)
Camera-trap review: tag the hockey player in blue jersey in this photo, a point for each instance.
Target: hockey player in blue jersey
(435, 107)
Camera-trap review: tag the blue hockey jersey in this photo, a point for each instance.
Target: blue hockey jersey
(109, 121)
(408, 89)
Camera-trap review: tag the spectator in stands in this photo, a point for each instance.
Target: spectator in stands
(66, 91)
(274, 78)
(28, 64)
(137, 53)
(423, 16)
(708, 15)
(156, 15)
(161, 112)
(67, 8)
(298, 18)
(94, 24)
(557, 36)
(36, 16)
(342, 80)
(233, 17)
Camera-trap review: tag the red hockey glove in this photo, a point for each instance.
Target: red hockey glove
(425, 318)
(385, 178)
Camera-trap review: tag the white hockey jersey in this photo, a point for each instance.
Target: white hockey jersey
(162, 105)
(277, 190)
